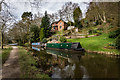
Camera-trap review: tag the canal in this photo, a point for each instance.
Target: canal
(67, 64)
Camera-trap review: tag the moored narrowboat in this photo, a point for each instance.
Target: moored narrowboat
(67, 46)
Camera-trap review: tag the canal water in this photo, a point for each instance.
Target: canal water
(67, 64)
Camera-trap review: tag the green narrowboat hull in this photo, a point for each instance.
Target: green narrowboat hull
(68, 46)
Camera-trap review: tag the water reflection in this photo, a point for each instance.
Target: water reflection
(71, 70)
(66, 64)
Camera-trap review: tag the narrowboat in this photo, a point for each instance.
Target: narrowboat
(65, 46)
(36, 46)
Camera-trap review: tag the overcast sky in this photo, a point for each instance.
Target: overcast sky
(52, 6)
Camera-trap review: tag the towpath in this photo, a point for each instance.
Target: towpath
(11, 67)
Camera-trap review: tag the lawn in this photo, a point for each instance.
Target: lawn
(27, 65)
(96, 43)
(5, 54)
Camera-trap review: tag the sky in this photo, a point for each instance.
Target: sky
(51, 6)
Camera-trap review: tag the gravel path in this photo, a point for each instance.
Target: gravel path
(11, 67)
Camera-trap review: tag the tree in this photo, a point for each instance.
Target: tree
(26, 16)
(117, 42)
(17, 33)
(34, 3)
(66, 13)
(103, 12)
(84, 22)
(53, 17)
(77, 15)
(27, 19)
(42, 34)
(6, 18)
(46, 24)
(37, 19)
(70, 23)
(34, 30)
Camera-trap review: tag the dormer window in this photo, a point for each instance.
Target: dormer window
(60, 23)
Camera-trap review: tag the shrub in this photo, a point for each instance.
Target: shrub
(117, 42)
(20, 43)
(86, 36)
(97, 34)
(5, 54)
(112, 44)
(42, 34)
(26, 44)
(111, 26)
(94, 31)
(44, 40)
(63, 39)
(90, 31)
(114, 34)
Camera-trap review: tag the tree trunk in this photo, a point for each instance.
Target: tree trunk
(104, 17)
(1, 5)
(1, 40)
(100, 18)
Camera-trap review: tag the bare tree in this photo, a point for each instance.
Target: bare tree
(67, 11)
(34, 4)
(5, 19)
(102, 11)
(18, 32)
(53, 17)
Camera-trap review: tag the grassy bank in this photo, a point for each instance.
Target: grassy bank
(5, 53)
(27, 65)
(96, 43)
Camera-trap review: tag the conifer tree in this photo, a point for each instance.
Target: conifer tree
(77, 15)
(46, 24)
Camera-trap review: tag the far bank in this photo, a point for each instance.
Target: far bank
(97, 44)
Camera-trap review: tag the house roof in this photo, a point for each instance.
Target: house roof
(58, 21)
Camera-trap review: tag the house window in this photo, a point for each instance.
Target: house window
(61, 23)
(54, 27)
(60, 27)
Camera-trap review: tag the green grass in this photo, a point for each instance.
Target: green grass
(27, 65)
(96, 43)
(5, 54)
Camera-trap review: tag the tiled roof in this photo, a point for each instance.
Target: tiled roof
(58, 21)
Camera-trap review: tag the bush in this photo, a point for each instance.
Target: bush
(114, 34)
(42, 34)
(63, 39)
(44, 40)
(99, 33)
(26, 44)
(117, 42)
(5, 54)
(112, 44)
(90, 31)
(94, 31)
(86, 36)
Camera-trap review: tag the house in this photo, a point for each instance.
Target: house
(70, 27)
(59, 25)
